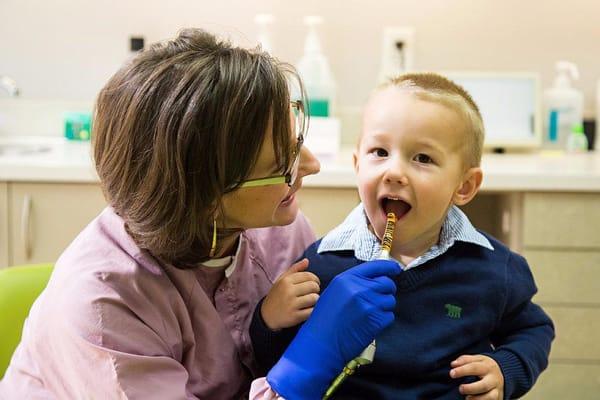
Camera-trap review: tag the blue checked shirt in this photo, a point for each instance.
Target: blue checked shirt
(354, 234)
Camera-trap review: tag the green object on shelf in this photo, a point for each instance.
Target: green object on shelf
(19, 287)
(78, 126)
(318, 107)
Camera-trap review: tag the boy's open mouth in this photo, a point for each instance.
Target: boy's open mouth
(397, 206)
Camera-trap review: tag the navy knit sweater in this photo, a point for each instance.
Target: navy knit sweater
(469, 300)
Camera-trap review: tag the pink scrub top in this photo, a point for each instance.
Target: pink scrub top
(113, 323)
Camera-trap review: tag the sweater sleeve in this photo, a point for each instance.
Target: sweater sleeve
(268, 345)
(523, 336)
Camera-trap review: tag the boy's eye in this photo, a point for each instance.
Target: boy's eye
(423, 158)
(380, 152)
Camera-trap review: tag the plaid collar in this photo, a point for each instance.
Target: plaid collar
(354, 234)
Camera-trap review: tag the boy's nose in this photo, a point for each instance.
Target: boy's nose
(396, 175)
(308, 165)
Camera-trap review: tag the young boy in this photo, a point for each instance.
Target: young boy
(464, 321)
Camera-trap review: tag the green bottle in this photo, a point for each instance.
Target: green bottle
(577, 142)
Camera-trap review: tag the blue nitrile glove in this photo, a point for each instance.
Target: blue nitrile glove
(357, 305)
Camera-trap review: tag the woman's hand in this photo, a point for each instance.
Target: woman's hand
(292, 297)
(490, 386)
(357, 305)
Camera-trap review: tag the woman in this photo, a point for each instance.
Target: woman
(196, 143)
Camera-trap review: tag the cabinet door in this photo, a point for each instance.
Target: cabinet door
(3, 224)
(46, 217)
(561, 220)
(326, 208)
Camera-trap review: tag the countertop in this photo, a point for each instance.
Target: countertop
(59, 160)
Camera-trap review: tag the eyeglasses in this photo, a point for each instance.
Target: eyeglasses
(292, 174)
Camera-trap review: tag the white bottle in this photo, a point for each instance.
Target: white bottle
(563, 106)
(264, 38)
(315, 72)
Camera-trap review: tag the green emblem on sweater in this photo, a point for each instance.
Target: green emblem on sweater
(452, 310)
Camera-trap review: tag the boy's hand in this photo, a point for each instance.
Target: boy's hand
(292, 297)
(491, 383)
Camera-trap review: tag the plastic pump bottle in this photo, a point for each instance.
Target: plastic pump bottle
(563, 106)
(315, 72)
(264, 38)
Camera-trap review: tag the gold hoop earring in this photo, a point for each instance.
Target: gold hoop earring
(213, 246)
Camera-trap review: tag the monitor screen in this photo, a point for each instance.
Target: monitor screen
(509, 104)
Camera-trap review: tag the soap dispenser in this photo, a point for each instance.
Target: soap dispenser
(324, 138)
(315, 72)
(563, 106)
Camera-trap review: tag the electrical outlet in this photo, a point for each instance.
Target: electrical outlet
(136, 43)
(397, 55)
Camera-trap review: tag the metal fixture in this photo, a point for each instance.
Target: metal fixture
(398, 52)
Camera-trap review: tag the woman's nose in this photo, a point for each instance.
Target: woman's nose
(308, 165)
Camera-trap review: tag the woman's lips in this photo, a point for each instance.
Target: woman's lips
(288, 200)
(292, 195)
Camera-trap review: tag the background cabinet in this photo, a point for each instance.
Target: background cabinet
(326, 208)
(562, 245)
(43, 218)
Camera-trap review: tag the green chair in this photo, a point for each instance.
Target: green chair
(19, 287)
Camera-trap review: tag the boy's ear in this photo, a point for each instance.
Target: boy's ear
(355, 160)
(469, 186)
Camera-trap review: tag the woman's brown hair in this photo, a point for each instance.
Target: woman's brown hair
(180, 125)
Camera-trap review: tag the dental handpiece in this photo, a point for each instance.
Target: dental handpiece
(368, 354)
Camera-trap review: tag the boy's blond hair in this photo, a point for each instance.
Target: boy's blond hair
(434, 87)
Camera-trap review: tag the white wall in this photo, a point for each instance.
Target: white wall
(67, 49)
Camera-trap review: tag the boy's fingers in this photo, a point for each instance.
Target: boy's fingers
(470, 369)
(307, 301)
(481, 386)
(464, 359)
(306, 287)
(300, 277)
(304, 314)
(296, 267)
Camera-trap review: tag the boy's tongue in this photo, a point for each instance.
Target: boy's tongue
(398, 207)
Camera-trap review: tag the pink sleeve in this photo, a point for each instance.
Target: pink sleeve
(260, 390)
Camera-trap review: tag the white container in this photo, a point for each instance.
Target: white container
(315, 72)
(324, 138)
(563, 107)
